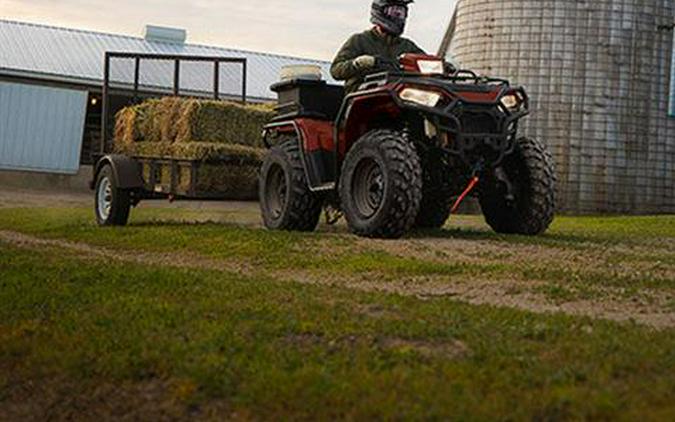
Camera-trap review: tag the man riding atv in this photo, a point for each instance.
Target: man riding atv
(410, 140)
(369, 51)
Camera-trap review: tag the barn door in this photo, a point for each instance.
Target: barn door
(41, 128)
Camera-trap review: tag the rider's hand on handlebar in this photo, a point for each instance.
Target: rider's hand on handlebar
(449, 68)
(388, 64)
(365, 62)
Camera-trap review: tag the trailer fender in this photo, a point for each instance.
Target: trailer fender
(127, 171)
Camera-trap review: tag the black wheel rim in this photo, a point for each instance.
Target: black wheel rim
(275, 191)
(368, 187)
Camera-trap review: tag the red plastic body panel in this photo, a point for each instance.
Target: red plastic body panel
(364, 113)
(481, 97)
(317, 134)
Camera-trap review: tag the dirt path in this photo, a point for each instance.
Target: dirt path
(650, 310)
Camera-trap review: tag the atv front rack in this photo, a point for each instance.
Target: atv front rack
(461, 76)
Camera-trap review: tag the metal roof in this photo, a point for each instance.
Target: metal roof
(76, 56)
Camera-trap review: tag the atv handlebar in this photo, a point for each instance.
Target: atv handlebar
(387, 64)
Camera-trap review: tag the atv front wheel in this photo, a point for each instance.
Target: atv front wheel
(286, 202)
(437, 192)
(112, 204)
(530, 170)
(435, 209)
(381, 185)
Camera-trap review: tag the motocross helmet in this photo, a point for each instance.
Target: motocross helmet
(390, 15)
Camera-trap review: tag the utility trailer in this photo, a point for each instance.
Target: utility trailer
(122, 181)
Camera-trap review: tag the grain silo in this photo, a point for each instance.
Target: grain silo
(600, 76)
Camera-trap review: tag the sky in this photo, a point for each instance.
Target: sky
(305, 28)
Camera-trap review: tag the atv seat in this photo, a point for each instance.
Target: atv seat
(308, 98)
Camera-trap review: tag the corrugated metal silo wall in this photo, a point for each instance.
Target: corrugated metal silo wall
(598, 73)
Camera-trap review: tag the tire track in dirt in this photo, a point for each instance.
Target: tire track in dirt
(85, 250)
(502, 292)
(588, 257)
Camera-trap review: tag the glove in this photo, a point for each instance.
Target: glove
(449, 68)
(451, 65)
(364, 62)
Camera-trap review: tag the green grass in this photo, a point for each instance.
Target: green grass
(581, 232)
(321, 253)
(274, 251)
(265, 349)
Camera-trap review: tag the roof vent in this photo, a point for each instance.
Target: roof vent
(164, 34)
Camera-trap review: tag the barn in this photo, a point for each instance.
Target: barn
(51, 84)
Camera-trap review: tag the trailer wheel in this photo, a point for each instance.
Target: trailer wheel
(381, 185)
(112, 204)
(286, 202)
(531, 172)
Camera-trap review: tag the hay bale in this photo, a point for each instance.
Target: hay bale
(150, 118)
(235, 182)
(199, 151)
(125, 134)
(134, 124)
(209, 151)
(175, 119)
(222, 122)
(162, 116)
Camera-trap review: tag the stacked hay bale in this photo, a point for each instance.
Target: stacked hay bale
(223, 136)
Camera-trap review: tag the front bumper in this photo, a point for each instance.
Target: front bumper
(473, 130)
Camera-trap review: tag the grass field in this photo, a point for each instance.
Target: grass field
(210, 320)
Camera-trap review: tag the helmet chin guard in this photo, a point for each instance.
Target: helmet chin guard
(390, 15)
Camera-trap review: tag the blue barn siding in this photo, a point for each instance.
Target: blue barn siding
(41, 128)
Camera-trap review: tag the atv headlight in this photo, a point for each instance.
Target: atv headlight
(431, 67)
(421, 97)
(511, 101)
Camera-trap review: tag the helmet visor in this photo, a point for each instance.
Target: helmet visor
(396, 12)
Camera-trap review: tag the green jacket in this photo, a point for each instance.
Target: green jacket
(368, 43)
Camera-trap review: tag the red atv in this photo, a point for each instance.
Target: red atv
(401, 150)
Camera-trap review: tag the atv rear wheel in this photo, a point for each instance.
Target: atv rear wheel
(530, 169)
(381, 185)
(286, 202)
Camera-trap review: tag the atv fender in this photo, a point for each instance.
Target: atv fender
(315, 138)
(361, 112)
(126, 171)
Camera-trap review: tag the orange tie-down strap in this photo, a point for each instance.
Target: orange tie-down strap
(472, 184)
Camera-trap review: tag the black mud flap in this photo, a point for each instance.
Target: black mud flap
(320, 166)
